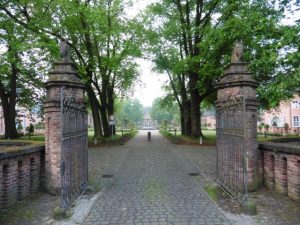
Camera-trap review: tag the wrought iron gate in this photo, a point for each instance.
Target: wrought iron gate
(231, 148)
(74, 159)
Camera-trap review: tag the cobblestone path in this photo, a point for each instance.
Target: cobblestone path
(151, 185)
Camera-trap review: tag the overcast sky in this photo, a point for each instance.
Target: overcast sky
(152, 82)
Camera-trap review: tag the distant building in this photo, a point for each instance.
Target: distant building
(287, 113)
(148, 122)
(208, 120)
(24, 117)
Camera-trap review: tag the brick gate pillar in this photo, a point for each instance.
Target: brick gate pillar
(63, 77)
(237, 82)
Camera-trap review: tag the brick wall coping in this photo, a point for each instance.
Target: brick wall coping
(280, 147)
(288, 139)
(22, 150)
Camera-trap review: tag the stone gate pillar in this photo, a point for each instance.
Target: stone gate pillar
(236, 108)
(63, 77)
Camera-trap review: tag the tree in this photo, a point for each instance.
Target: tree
(193, 40)
(103, 41)
(129, 111)
(20, 72)
(161, 111)
(20, 127)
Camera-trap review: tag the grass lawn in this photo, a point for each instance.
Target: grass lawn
(210, 138)
(35, 139)
(262, 138)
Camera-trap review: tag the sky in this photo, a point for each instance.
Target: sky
(151, 86)
(152, 82)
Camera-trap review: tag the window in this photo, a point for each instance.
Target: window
(296, 121)
(275, 121)
(295, 105)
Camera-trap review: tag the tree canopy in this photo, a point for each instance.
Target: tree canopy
(104, 43)
(128, 112)
(161, 111)
(192, 40)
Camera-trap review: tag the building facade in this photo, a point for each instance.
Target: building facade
(287, 116)
(208, 120)
(23, 119)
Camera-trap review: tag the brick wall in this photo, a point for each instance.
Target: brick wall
(281, 168)
(21, 174)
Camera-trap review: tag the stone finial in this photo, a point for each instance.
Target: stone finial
(65, 51)
(237, 52)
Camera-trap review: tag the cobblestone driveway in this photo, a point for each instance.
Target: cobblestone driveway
(151, 185)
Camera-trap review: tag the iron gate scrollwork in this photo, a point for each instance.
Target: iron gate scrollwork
(231, 148)
(74, 159)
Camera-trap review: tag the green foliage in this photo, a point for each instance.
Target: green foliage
(103, 41)
(20, 127)
(162, 110)
(211, 191)
(250, 208)
(21, 48)
(38, 138)
(271, 47)
(39, 125)
(31, 128)
(128, 112)
(59, 213)
(267, 126)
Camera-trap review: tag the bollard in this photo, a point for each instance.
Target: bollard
(149, 136)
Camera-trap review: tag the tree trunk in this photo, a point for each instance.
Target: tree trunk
(187, 118)
(110, 106)
(195, 105)
(182, 120)
(9, 104)
(103, 112)
(9, 120)
(98, 132)
(201, 133)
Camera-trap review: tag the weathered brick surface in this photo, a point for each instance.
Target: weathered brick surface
(20, 176)
(282, 172)
(269, 174)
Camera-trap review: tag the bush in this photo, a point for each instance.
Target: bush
(250, 208)
(31, 128)
(59, 213)
(267, 126)
(20, 127)
(286, 127)
(39, 126)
